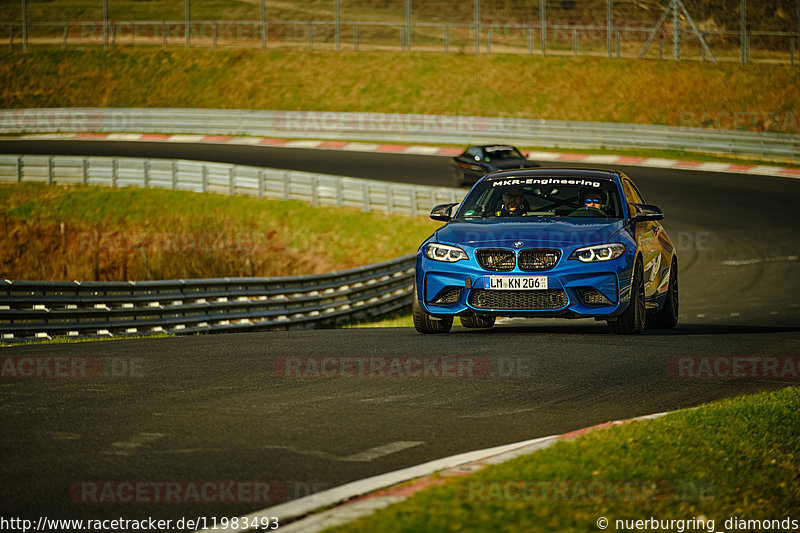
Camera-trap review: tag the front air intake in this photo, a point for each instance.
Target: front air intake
(496, 259)
(538, 259)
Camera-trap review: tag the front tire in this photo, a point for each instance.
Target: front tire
(475, 321)
(458, 176)
(425, 323)
(632, 320)
(667, 316)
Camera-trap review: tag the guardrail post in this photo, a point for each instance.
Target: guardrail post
(204, 178)
(412, 199)
(575, 42)
(365, 197)
(489, 40)
(49, 170)
(355, 37)
(339, 193)
(619, 43)
(446, 38)
(85, 170)
(114, 173)
(314, 191)
(232, 181)
(287, 186)
(261, 184)
(389, 200)
(310, 36)
(66, 34)
(146, 183)
(19, 169)
(174, 175)
(163, 35)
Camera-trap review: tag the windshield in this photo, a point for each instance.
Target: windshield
(501, 152)
(543, 197)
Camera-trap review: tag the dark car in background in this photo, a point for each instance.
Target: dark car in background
(476, 161)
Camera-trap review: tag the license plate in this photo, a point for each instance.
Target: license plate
(515, 283)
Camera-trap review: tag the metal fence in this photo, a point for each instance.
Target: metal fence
(434, 129)
(197, 176)
(730, 30)
(42, 309)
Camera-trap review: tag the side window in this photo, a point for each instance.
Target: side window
(632, 195)
(638, 193)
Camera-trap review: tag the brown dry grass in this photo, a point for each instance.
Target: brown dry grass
(97, 233)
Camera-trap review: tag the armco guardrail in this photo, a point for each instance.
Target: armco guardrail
(37, 309)
(31, 309)
(438, 129)
(197, 176)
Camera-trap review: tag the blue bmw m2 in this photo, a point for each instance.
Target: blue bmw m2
(548, 243)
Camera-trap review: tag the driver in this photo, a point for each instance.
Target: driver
(591, 200)
(591, 205)
(514, 203)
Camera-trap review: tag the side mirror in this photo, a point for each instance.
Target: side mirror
(442, 212)
(646, 212)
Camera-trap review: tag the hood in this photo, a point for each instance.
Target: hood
(532, 232)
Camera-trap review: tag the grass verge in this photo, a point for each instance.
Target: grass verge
(99, 233)
(558, 88)
(733, 458)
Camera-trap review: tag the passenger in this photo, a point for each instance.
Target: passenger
(514, 203)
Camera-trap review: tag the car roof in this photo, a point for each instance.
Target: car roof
(495, 146)
(553, 173)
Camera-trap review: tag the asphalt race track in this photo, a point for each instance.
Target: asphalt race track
(248, 407)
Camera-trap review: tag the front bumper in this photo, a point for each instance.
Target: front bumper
(575, 290)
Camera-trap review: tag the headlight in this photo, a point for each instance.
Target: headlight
(443, 252)
(601, 252)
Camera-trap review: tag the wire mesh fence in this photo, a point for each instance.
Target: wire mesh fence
(726, 30)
